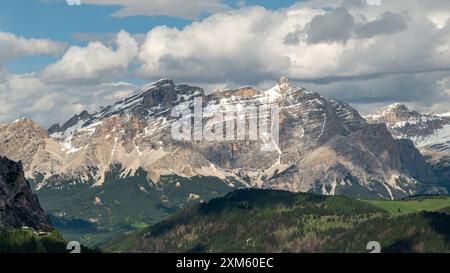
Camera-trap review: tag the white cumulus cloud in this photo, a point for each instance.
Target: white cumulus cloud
(345, 49)
(93, 62)
(189, 9)
(351, 51)
(27, 95)
(13, 47)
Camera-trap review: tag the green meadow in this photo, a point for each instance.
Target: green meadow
(413, 205)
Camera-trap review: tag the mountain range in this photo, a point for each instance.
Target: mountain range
(429, 132)
(119, 168)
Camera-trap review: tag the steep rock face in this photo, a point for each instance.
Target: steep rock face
(25, 141)
(19, 207)
(349, 150)
(71, 122)
(325, 146)
(430, 133)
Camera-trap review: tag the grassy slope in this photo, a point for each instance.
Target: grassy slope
(25, 241)
(95, 215)
(423, 232)
(277, 221)
(253, 221)
(413, 205)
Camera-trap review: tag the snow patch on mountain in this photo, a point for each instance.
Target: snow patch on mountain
(439, 136)
(429, 131)
(322, 142)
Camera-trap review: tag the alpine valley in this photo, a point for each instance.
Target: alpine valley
(104, 174)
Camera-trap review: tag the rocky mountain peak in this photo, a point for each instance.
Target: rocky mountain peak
(393, 114)
(427, 131)
(163, 81)
(161, 93)
(445, 115)
(151, 100)
(396, 107)
(322, 142)
(284, 84)
(84, 115)
(239, 92)
(24, 122)
(24, 127)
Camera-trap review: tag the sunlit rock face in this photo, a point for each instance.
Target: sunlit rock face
(324, 145)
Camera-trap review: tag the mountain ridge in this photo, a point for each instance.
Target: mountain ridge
(430, 133)
(315, 131)
(105, 173)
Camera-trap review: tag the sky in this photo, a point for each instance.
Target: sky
(59, 57)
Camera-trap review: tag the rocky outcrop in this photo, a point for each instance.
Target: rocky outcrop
(84, 115)
(241, 92)
(19, 207)
(427, 131)
(430, 133)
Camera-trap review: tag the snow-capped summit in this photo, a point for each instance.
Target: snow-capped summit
(428, 131)
(444, 115)
(325, 146)
(393, 114)
(151, 100)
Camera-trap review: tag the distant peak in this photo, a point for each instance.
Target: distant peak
(284, 84)
(283, 80)
(239, 92)
(155, 84)
(55, 128)
(25, 120)
(20, 120)
(445, 115)
(163, 81)
(393, 114)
